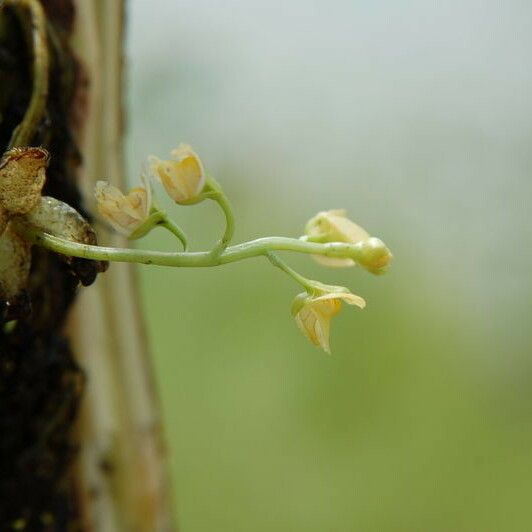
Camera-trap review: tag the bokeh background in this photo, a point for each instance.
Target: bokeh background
(416, 117)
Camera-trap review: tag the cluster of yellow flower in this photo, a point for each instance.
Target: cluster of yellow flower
(184, 179)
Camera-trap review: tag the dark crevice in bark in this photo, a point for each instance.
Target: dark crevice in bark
(40, 382)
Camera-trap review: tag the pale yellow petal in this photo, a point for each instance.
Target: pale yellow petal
(103, 191)
(333, 262)
(184, 177)
(326, 306)
(348, 297)
(334, 226)
(124, 213)
(322, 328)
(344, 230)
(191, 175)
(305, 321)
(314, 320)
(172, 183)
(352, 299)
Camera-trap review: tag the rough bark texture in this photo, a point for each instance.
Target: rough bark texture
(40, 381)
(80, 435)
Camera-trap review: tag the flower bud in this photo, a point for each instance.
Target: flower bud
(313, 312)
(183, 177)
(334, 226)
(373, 255)
(124, 213)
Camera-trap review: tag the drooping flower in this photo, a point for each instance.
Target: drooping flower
(183, 176)
(125, 213)
(334, 226)
(313, 312)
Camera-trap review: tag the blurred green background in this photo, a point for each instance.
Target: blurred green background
(414, 116)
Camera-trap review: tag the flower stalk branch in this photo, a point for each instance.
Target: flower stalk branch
(330, 237)
(171, 226)
(215, 192)
(196, 259)
(307, 284)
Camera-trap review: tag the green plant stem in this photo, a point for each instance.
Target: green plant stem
(159, 218)
(224, 204)
(246, 250)
(171, 226)
(216, 193)
(24, 132)
(307, 284)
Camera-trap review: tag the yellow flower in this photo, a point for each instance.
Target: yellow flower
(334, 226)
(124, 213)
(183, 177)
(313, 312)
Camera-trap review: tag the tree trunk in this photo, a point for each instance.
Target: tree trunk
(81, 445)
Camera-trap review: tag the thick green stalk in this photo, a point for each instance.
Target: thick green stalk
(307, 284)
(171, 226)
(216, 193)
(246, 250)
